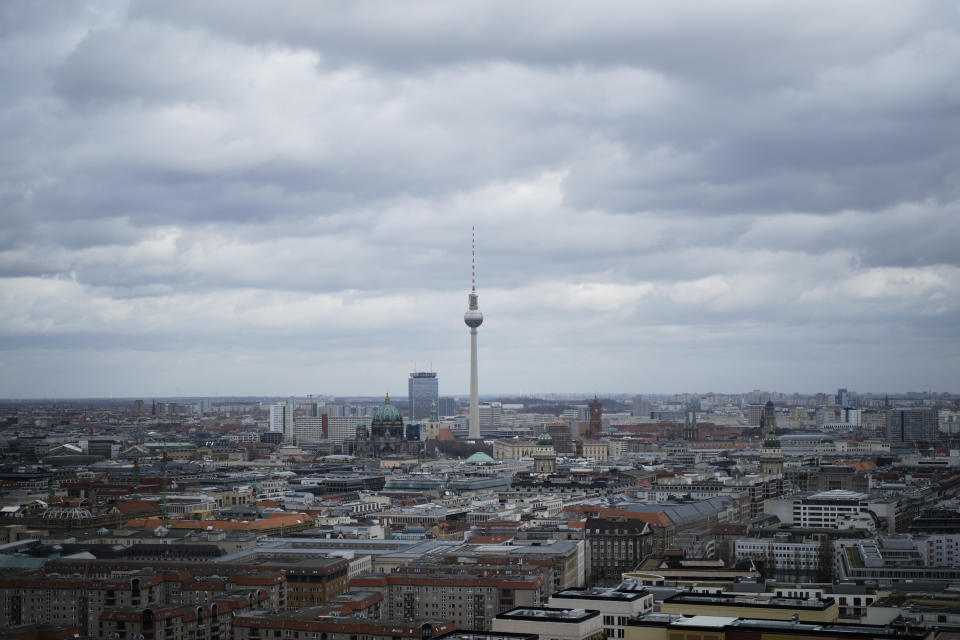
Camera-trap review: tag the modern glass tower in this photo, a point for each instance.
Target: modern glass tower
(422, 392)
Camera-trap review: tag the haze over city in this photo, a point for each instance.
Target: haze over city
(209, 199)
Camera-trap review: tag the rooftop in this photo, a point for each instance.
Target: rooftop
(487, 635)
(783, 628)
(838, 494)
(937, 602)
(305, 619)
(548, 614)
(599, 593)
(731, 600)
(705, 621)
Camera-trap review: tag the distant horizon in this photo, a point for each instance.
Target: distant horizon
(464, 396)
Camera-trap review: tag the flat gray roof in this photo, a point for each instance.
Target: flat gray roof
(548, 614)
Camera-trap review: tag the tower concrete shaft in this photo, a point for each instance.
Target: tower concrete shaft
(474, 388)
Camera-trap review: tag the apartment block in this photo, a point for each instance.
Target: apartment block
(470, 602)
(137, 602)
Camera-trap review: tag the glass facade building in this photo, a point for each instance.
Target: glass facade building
(422, 391)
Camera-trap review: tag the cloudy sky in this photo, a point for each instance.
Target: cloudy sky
(212, 198)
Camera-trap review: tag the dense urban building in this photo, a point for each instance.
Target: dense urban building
(212, 519)
(469, 601)
(616, 606)
(911, 425)
(556, 623)
(447, 406)
(160, 605)
(656, 626)
(617, 545)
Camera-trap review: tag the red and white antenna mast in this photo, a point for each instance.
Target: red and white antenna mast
(473, 259)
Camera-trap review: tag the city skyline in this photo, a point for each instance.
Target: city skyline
(571, 397)
(721, 198)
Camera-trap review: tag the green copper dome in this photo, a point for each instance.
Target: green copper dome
(386, 413)
(545, 438)
(479, 458)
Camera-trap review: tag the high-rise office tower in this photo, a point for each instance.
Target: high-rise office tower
(281, 415)
(422, 394)
(288, 433)
(473, 319)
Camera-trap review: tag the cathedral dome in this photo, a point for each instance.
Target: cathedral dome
(545, 438)
(386, 413)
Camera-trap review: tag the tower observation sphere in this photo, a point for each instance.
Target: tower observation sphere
(473, 318)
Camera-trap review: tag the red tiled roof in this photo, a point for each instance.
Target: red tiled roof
(272, 521)
(136, 506)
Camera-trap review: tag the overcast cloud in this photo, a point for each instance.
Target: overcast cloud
(212, 198)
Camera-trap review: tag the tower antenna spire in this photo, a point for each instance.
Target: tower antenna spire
(473, 259)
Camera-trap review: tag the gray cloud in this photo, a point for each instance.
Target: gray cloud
(682, 197)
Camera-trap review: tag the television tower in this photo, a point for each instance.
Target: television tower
(473, 319)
